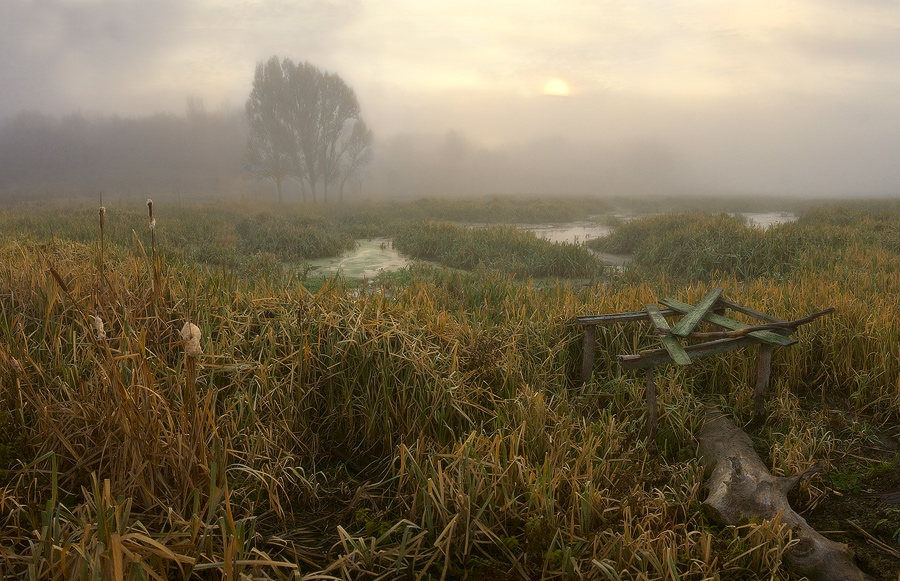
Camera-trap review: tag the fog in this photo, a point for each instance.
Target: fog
(602, 98)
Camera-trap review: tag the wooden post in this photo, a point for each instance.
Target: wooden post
(590, 346)
(652, 412)
(763, 372)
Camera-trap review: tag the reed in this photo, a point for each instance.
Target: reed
(424, 426)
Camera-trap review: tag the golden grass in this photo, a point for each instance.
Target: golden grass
(421, 431)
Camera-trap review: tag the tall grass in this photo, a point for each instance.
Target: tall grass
(508, 249)
(432, 428)
(694, 246)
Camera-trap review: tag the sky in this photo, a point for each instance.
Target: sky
(769, 96)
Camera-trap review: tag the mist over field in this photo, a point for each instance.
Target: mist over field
(463, 99)
(202, 156)
(449, 289)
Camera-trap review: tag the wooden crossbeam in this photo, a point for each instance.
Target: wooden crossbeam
(766, 336)
(749, 311)
(655, 357)
(671, 344)
(590, 320)
(692, 318)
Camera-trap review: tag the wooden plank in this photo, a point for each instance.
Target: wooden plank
(671, 344)
(654, 357)
(749, 311)
(763, 372)
(652, 409)
(586, 320)
(691, 319)
(783, 328)
(590, 346)
(767, 336)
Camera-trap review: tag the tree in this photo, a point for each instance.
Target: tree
(356, 150)
(271, 147)
(298, 116)
(301, 115)
(338, 108)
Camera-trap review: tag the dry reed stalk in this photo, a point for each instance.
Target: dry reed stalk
(154, 257)
(197, 419)
(463, 412)
(102, 240)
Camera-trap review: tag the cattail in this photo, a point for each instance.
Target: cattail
(59, 280)
(102, 219)
(190, 333)
(155, 261)
(17, 367)
(98, 328)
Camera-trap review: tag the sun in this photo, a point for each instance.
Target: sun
(557, 88)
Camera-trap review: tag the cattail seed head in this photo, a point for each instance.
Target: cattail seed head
(59, 280)
(190, 333)
(98, 328)
(102, 216)
(150, 213)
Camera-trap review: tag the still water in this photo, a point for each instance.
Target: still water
(376, 255)
(579, 232)
(370, 257)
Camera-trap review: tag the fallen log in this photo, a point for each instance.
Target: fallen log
(741, 489)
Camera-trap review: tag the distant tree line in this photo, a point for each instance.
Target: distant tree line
(195, 153)
(305, 126)
(302, 131)
(301, 125)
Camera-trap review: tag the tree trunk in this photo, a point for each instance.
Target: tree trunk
(278, 186)
(741, 489)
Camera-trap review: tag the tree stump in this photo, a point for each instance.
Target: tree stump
(741, 489)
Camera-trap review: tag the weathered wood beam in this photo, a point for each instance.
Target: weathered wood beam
(692, 318)
(788, 326)
(741, 489)
(654, 357)
(652, 410)
(725, 322)
(671, 344)
(590, 347)
(749, 311)
(587, 320)
(763, 372)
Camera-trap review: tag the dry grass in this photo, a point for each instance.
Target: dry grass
(429, 430)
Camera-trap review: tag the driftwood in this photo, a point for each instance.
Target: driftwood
(790, 325)
(741, 489)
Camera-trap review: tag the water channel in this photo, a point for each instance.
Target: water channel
(375, 255)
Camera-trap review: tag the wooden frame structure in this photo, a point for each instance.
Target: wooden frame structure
(733, 335)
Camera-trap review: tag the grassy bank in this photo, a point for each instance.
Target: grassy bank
(502, 248)
(429, 426)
